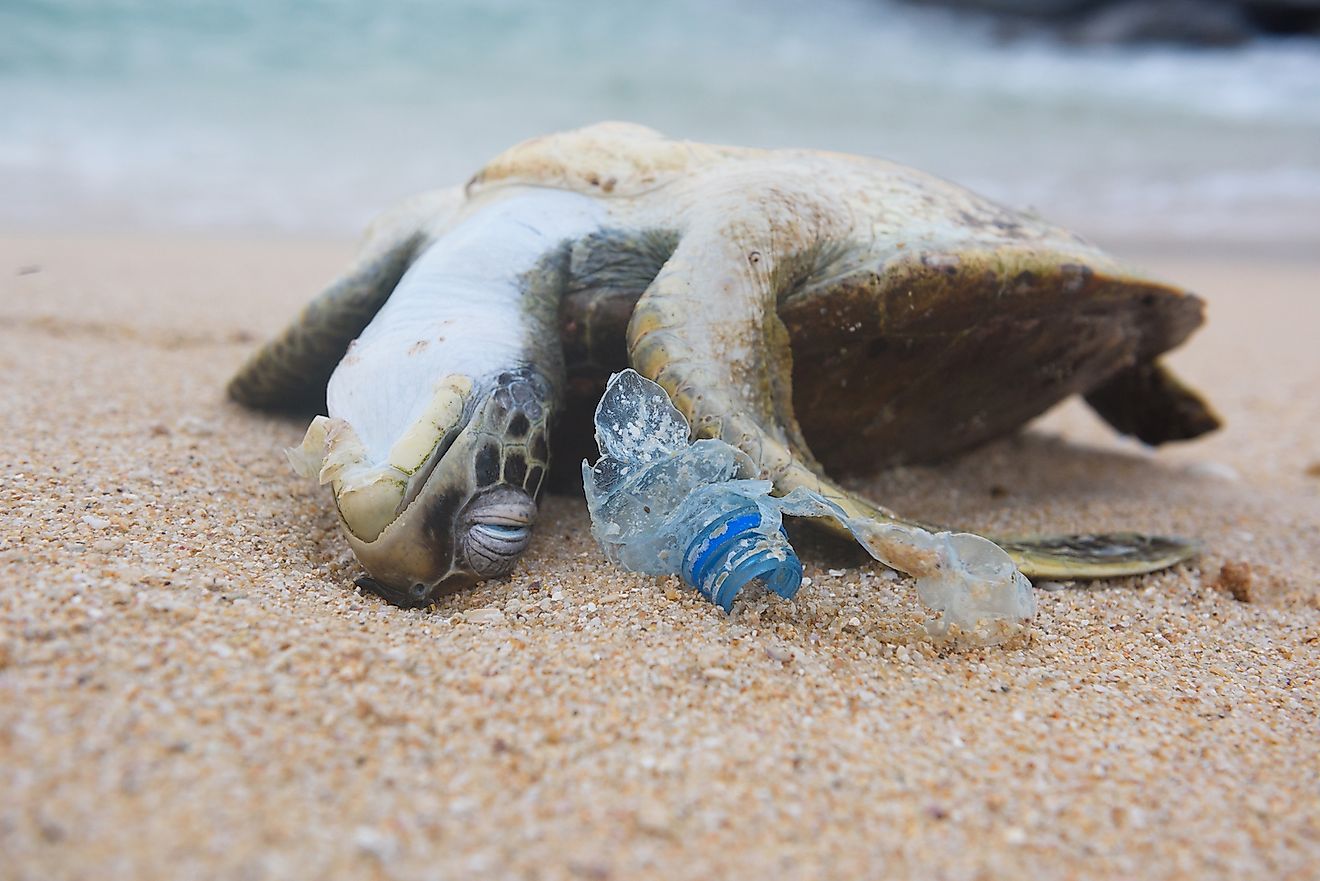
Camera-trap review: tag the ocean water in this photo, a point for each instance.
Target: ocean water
(307, 116)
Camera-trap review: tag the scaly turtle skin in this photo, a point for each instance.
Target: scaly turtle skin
(818, 311)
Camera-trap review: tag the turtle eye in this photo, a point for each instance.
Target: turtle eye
(493, 548)
(499, 528)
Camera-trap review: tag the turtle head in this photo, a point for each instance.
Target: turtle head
(465, 512)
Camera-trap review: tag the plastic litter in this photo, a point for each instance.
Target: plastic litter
(663, 505)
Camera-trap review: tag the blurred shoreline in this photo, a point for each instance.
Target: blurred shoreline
(1133, 248)
(307, 119)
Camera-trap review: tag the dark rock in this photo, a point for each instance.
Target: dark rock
(1045, 9)
(1296, 5)
(1284, 16)
(1189, 22)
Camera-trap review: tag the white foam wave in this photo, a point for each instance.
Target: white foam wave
(309, 118)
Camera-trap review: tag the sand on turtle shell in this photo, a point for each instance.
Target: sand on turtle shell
(190, 686)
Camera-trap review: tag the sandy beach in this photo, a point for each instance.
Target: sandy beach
(192, 687)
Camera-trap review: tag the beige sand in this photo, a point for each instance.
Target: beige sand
(190, 687)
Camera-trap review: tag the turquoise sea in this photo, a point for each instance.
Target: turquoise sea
(306, 116)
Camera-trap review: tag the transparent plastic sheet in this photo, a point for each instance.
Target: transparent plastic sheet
(664, 506)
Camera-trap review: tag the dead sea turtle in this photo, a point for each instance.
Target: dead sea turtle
(819, 311)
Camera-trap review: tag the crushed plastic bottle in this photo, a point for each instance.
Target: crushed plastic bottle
(662, 505)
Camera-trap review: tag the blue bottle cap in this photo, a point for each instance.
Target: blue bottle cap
(731, 552)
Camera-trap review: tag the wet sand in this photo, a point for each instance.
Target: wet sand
(191, 687)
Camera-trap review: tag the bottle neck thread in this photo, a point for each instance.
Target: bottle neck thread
(732, 551)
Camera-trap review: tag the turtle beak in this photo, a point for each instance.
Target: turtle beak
(490, 533)
(471, 518)
(463, 512)
(368, 495)
(371, 491)
(418, 555)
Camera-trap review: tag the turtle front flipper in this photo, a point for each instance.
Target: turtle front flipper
(290, 372)
(707, 331)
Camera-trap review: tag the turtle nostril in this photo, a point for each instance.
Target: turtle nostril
(405, 597)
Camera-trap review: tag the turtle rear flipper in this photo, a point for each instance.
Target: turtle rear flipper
(1150, 403)
(1106, 555)
(290, 372)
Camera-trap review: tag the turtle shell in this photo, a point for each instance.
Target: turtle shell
(932, 354)
(931, 321)
(610, 159)
(929, 355)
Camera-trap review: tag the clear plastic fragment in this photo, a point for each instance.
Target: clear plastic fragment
(661, 505)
